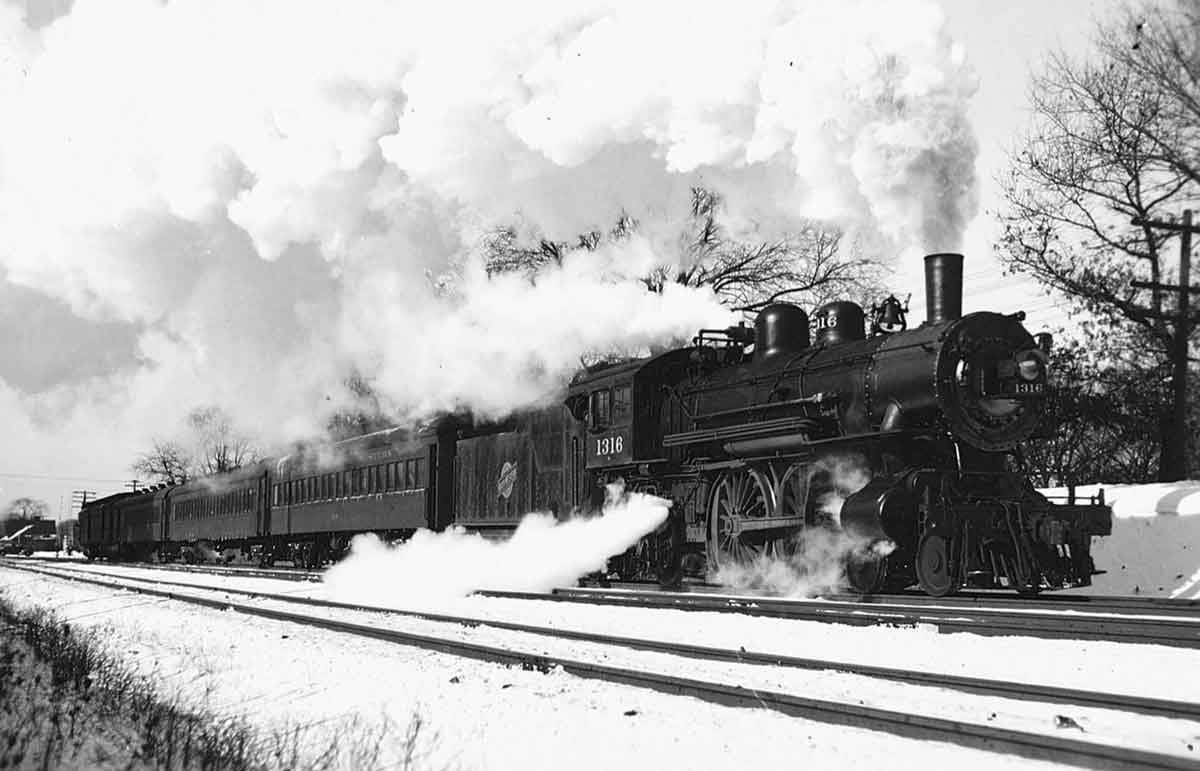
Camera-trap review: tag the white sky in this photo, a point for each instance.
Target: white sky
(44, 343)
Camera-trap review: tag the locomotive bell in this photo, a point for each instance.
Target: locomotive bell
(889, 316)
(839, 322)
(780, 328)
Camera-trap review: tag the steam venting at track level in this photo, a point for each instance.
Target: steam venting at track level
(542, 554)
(814, 560)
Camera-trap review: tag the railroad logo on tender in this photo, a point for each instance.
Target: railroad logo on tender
(506, 480)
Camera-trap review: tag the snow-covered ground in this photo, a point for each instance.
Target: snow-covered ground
(475, 715)
(489, 716)
(1154, 548)
(478, 715)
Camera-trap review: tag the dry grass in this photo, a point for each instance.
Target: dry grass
(66, 704)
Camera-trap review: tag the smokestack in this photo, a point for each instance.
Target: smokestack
(943, 287)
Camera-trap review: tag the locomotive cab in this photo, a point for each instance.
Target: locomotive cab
(609, 421)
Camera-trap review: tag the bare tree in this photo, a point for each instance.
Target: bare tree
(809, 266)
(1103, 427)
(506, 250)
(367, 414)
(1160, 45)
(1113, 139)
(220, 447)
(21, 511)
(167, 462)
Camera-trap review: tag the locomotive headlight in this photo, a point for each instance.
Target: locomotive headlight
(1031, 365)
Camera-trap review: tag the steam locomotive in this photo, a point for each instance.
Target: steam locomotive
(756, 434)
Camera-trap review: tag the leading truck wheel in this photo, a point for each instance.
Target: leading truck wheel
(866, 573)
(933, 566)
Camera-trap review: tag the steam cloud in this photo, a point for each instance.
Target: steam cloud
(276, 193)
(815, 562)
(542, 554)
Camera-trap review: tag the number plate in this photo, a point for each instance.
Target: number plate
(1028, 389)
(610, 448)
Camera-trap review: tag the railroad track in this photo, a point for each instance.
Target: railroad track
(975, 600)
(1141, 606)
(1057, 603)
(1173, 630)
(285, 574)
(989, 737)
(1146, 620)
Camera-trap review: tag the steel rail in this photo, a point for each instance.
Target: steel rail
(980, 686)
(998, 600)
(1133, 606)
(1065, 750)
(1073, 626)
(283, 574)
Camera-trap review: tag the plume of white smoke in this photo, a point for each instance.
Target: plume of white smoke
(542, 554)
(275, 193)
(814, 562)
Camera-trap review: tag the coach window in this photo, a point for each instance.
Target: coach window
(622, 405)
(601, 409)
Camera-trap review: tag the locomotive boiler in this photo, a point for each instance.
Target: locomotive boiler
(904, 443)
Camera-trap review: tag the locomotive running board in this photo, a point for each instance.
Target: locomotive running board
(767, 428)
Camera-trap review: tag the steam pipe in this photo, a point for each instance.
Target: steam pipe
(943, 287)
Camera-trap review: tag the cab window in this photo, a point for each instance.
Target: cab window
(600, 411)
(622, 405)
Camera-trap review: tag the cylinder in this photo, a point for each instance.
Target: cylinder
(943, 287)
(780, 328)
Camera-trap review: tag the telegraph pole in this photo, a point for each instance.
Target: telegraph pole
(1173, 464)
(79, 498)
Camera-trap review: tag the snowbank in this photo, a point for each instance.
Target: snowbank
(1154, 548)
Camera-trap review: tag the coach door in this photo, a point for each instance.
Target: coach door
(262, 504)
